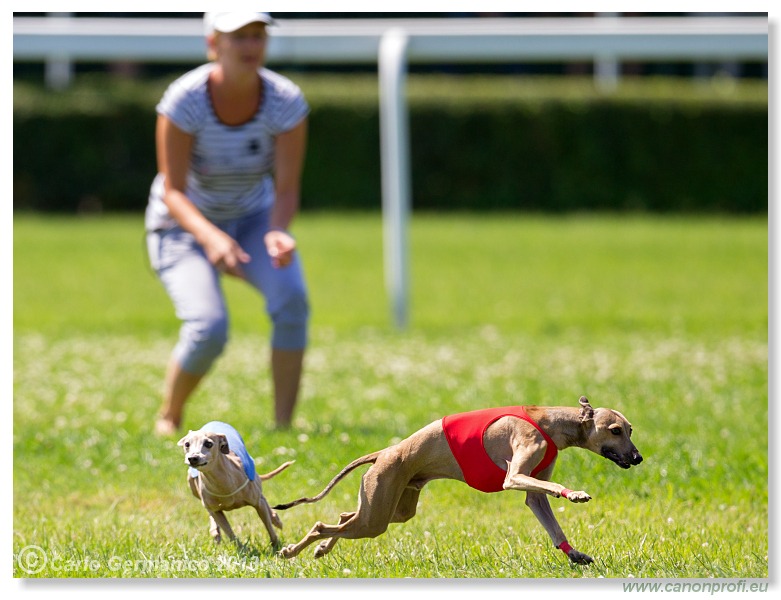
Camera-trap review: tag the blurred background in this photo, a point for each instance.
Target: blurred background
(678, 131)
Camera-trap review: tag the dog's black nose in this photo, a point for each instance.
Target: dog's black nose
(193, 460)
(636, 458)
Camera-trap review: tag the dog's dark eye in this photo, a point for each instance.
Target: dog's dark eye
(616, 431)
(187, 444)
(208, 444)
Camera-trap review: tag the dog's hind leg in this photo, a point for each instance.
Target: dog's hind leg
(327, 545)
(351, 525)
(381, 488)
(318, 532)
(405, 510)
(351, 528)
(275, 518)
(407, 505)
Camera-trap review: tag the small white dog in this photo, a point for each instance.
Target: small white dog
(222, 476)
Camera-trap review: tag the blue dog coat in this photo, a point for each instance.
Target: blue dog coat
(235, 443)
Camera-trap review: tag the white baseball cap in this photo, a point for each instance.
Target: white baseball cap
(226, 22)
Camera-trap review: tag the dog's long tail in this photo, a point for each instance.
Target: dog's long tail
(364, 460)
(276, 471)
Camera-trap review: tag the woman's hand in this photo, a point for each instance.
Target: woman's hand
(174, 148)
(225, 253)
(289, 150)
(280, 246)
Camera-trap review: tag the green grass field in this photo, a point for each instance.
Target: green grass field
(664, 319)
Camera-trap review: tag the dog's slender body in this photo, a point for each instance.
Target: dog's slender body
(223, 484)
(390, 488)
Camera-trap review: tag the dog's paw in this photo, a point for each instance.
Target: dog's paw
(579, 496)
(288, 551)
(579, 558)
(323, 548)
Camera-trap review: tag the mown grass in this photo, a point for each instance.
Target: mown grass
(664, 319)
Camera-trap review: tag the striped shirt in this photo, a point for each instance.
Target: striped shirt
(231, 168)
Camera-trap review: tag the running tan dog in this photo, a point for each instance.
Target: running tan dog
(222, 476)
(511, 448)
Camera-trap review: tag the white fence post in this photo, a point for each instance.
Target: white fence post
(396, 185)
(58, 70)
(607, 69)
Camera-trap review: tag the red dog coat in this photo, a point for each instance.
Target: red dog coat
(464, 434)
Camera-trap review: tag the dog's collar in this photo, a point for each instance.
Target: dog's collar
(233, 493)
(550, 452)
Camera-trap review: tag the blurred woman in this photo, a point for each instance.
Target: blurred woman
(230, 139)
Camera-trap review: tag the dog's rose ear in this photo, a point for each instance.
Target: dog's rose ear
(181, 442)
(224, 447)
(586, 411)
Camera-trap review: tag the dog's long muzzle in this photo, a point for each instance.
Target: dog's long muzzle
(624, 461)
(194, 461)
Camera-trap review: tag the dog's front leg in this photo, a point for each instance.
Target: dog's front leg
(516, 479)
(214, 529)
(539, 505)
(270, 520)
(220, 521)
(537, 499)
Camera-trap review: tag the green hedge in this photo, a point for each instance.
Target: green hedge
(502, 142)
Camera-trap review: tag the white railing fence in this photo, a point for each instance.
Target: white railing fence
(392, 45)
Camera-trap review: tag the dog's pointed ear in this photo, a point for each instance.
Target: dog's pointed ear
(224, 447)
(181, 442)
(586, 411)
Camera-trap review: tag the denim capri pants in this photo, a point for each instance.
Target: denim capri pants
(194, 287)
